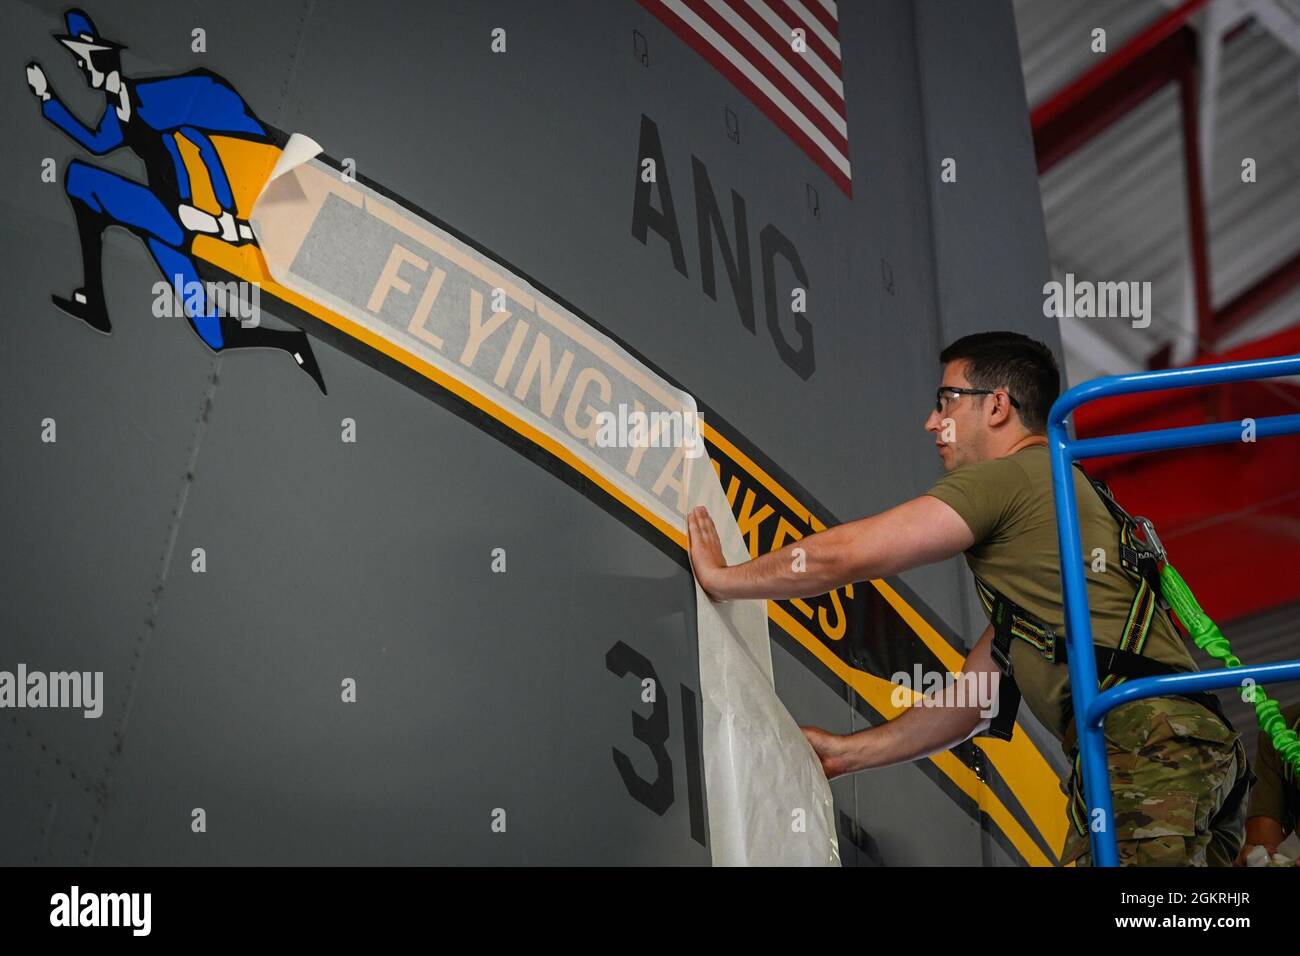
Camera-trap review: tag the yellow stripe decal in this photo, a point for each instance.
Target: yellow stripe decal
(769, 515)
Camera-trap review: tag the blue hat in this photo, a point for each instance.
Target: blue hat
(82, 37)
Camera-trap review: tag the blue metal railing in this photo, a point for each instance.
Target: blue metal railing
(1091, 707)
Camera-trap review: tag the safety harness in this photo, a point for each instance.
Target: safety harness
(1142, 560)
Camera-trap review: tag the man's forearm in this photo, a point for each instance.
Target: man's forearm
(926, 728)
(1265, 832)
(921, 531)
(806, 568)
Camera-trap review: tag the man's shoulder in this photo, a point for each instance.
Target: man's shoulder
(1032, 467)
(1002, 465)
(986, 494)
(1008, 470)
(1032, 461)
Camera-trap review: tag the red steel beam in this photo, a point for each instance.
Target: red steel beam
(1062, 131)
(1069, 97)
(1162, 53)
(1259, 296)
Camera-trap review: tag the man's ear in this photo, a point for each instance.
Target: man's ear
(1000, 408)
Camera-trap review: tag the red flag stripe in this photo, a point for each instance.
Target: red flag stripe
(780, 42)
(825, 19)
(814, 41)
(756, 59)
(746, 86)
(768, 14)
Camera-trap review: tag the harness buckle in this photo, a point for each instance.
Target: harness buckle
(1049, 645)
(1149, 543)
(1001, 656)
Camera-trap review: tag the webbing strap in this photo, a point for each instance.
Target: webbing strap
(1020, 623)
(1114, 665)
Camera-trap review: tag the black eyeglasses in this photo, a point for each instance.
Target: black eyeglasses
(938, 395)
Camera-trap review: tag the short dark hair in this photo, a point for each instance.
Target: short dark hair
(1023, 366)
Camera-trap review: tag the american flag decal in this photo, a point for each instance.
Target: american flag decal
(753, 44)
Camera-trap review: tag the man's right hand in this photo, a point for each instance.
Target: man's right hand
(36, 80)
(925, 728)
(834, 751)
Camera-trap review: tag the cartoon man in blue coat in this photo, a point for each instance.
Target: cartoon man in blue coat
(144, 115)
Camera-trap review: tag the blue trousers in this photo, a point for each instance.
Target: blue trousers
(124, 202)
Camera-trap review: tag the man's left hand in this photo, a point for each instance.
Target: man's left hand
(707, 559)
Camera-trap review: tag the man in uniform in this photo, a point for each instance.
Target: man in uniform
(1275, 799)
(1178, 770)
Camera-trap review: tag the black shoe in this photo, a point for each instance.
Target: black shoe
(91, 311)
(307, 362)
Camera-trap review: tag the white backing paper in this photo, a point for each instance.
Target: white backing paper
(382, 267)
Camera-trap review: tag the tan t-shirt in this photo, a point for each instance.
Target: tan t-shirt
(1277, 793)
(1007, 502)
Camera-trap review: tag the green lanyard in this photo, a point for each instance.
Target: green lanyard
(1210, 639)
